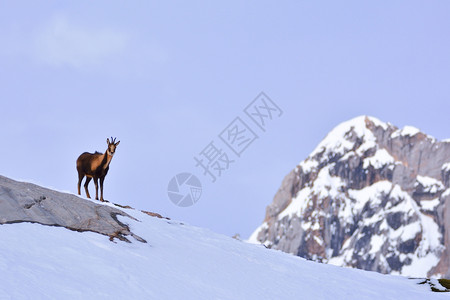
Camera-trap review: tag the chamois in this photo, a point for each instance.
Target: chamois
(95, 165)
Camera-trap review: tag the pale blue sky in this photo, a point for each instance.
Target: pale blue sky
(166, 78)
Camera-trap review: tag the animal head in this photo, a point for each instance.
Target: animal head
(112, 146)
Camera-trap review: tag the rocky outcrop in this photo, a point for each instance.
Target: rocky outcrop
(370, 196)
(26, 202)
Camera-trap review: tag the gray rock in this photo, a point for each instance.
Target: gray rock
(26, 202)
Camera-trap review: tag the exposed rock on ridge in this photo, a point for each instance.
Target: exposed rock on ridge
(26, 202)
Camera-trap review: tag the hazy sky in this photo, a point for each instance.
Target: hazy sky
(167, 78)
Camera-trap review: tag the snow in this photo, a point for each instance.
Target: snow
(429, 204)
(318, 240)
(370, 194)
(420, 265)
(406, 232)
(253, 239)
(380, 159)
(308, 165)
(324, 185)
(338, 140)
(179, 262)
(406, 131)
(435, 283)
(446, 167)
(446, 193)
(430, 185)
(369, 143)
(379, 123)
(376, 243)
(316, 225)
(410, 130)
(327, 185)
(430, 230)
(298, 204)
(426, 255)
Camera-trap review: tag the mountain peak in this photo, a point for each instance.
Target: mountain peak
(345, 137)
(370, 196)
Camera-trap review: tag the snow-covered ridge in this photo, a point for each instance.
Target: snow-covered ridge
(429, 184)
(405, 131)
(342, 137)
(180, 262)
(379, 160)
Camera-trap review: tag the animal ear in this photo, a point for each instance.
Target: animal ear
(107, 141)
(117, 143)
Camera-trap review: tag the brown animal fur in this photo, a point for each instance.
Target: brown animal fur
(95, 166)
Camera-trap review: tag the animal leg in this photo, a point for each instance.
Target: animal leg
(102, 179)
(88, 179)
(96, 187)
(80, 178)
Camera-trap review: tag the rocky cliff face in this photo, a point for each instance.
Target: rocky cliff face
(26, 202)
(370, 196)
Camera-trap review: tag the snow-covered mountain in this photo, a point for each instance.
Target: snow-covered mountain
(370, 196)
(78, 255)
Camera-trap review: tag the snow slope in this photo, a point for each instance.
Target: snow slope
(178, 262)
